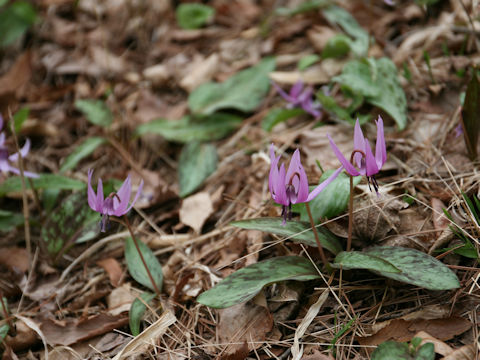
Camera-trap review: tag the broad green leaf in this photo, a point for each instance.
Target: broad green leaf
(390, 350)
(305, 6)
(349, 260)
(339, 16)
(376, 80)
(137, 310)
(471, 116)
(337, 46)
(193, 16)
(247, 282)
(185, 130)
(197, 162)
(15, 20)
(44, 181)
(307, 61)
(136, 267)
(296, 231)
(72, 221)
(82, 151)
(332, 201)
(9, 220)
(278, 115)
(243, 91)
(417, 268)
(426, 352)
(96, 111)
(20, 117)
(4, 331)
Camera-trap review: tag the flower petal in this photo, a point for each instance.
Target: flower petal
(346, 164)
(120, 202)
(99, 199)
(303, 186)
(296, 90)
(91, 192)
(280, 191)
(139, 191)
(282, 93)
(2, 138)
(358, 144)
(295, 164)
(24, 151)
(380, 147)
(324, 184)
(370, 164)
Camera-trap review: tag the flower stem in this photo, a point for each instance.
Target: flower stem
(127, 223)
(314, 229)
(350, 216)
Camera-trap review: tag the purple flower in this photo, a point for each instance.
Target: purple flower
(362, 154)
(291, 187)
(5, 167)
(300, 97)
(114, 204)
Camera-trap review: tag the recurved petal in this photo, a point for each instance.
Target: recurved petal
(273, 175)
(279, 189)
(371, 167)
(295, 164)
(296, 89)
(324, 184)
(282, 93)
(99, 199)
(346, 164)
(120, 202)
(358, 144)
(90, 192)
(303, 186)
(24, 151)
(380, 147)
(139, 191)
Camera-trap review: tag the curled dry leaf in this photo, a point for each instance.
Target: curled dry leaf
(195, 210)
(113, 269)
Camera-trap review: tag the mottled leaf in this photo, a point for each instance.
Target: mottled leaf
(185, 130)
(390, 350)
(296, 231)
(137, 310)
(358, 260)
(45, 181)
(471, 116)
(197, 162)
(72, 221)
(193, 16)
(243, 91)
(245, 283)
(136, 267)
(96, 111)
(82, 151)
(277, 115)
(417, 268)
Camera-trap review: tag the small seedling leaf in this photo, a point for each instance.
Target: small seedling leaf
(82, 151)
(185, 130)
(137, 310)
(193, 16)
(349, 260)
(245, 283)
(417, 268)
(96, 111)
(136, 267)
(296, 231)
(243, 91)
(197, 162)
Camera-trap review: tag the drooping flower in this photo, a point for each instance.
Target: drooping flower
(367, 164)
(291, 186)
(5, 158)
(300, 96)
(114, 204)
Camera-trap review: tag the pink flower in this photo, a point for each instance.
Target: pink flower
(299, 96)
(115, 204)
(291, 187)
(367, 164)
(5, 159)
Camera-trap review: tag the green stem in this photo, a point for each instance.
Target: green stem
(317, 239)
(127, 223)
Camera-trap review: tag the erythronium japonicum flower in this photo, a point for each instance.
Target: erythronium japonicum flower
(114, 204)
(300, 96)
(5, 158)
(367, 164)
(291, 186)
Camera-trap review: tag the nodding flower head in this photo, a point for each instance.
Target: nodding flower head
(362, 155)
(300, 96)
(114, 204)
(6, 159)
(291, 186)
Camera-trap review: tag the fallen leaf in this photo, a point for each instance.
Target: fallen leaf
(120, 300)
(14, 258)
(199, 72)
(195, 210)
(466, 352)
(440, 347)
(113, 269)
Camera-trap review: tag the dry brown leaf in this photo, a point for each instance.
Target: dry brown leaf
(401, 330)
(16, 78)
(74, 330)
(113, 269)
(316, 74)
(120, 300)
(241, 323)
(466, 352)
(440, 347)
(24, 339)
(317, 355)
(440, 221)
(319, 36)
(195, 210)
(200, 71)
(14, 258)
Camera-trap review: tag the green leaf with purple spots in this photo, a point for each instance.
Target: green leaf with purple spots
(296, 231)
(349, 260)
(244, 284)
(417, 268)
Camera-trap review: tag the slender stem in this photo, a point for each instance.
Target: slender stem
(127, 223)
(350, 216)
(320, 248)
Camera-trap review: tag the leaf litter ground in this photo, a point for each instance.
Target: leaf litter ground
(120, 87)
